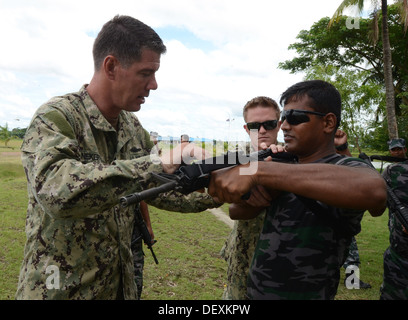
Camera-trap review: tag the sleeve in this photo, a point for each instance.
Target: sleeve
(63, 185)
(355, 162)
(193, 202)
(396, 176)
(352, 216)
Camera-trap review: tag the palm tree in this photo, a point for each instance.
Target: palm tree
(387, 57)
(5, 135)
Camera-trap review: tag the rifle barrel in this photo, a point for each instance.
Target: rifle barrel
(147, 194)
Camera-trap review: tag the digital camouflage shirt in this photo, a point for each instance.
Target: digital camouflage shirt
(395, 278)
(298, 254)
(238, 251)
(77, 167)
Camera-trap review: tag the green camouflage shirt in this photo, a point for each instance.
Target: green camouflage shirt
(395, 275)
(397, 174)
(299, 253)
(77, 167)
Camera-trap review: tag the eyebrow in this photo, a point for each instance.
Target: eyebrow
(149, 69)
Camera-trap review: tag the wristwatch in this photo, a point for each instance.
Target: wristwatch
(342, 147)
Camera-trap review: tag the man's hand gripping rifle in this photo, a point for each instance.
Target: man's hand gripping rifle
(193, 177)
(196, 176)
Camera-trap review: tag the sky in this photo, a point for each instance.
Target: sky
(220, 54)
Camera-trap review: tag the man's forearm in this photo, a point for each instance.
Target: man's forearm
(360, 188)
(242, 211)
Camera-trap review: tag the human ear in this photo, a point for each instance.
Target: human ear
(330, 122)
(110, 64)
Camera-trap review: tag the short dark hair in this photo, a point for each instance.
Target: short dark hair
(326, 98)
(124, 37)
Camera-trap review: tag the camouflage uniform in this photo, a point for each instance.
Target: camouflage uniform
(353, 257)
(77, 168)
(137, 246)
(299, 253)
(395, 280)
(238, 252)
(138, 262)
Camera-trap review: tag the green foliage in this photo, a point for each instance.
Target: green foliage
(338, 46)
(18, 132)
(359, 96)
(5, 134)
(353, 55)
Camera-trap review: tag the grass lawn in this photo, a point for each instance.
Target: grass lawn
(187, 249)
(13, 206)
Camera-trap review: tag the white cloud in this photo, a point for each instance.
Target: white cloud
(49, 43)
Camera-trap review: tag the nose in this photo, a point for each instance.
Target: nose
(284, 124)
(152, 84)
(262, 129)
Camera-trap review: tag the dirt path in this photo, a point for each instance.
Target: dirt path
(222, 216)
(10, 154)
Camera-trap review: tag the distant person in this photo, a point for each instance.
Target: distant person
(395, 276)
(397, 148)
(184, 138)
(316, 206)
(154, 138)
(192, 151)
(261, 115)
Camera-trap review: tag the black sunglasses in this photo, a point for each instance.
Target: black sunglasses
(295, 117)
(268, 125)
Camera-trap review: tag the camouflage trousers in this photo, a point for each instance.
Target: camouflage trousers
(395, 280)
(353, 258)
(238, 252)
(138, 263)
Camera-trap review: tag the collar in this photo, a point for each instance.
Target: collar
(95, 116)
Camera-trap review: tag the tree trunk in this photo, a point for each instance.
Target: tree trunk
(389, 86)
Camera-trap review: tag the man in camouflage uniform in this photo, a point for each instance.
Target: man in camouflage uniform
(395, 278)
(81, 153)
(397, 148)
(352, 261)
(263, 113)
(307, 229)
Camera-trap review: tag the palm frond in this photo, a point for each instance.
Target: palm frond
(373, 34)
(346, 4)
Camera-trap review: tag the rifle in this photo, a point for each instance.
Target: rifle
(396, 206)
(196, 176)
(190, 178)
(381, 158)
(142, 232)
(393, 203)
